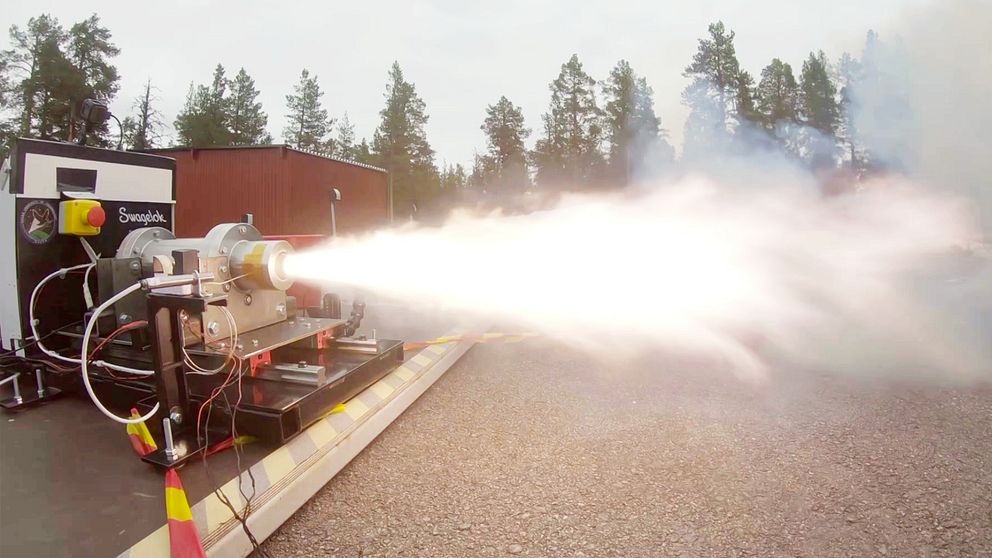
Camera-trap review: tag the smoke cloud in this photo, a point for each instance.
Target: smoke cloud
(924, 105)
(746, 262)
(751, 276)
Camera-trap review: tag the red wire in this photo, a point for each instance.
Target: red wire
(115, 333)
(236, 365)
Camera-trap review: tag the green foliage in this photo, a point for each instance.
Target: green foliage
(143, 129)
(363, 154)
(746, 99)
(568, 154)
(819, 110)
(226, 112)
(715, 62)
(453, 180)
(778, 94)
(246, 118)
(504, 166)
(49, 72)
(308, 124)
(633, 129)
(713, 95)
(400, 146)
(345, 142)
(848, 74)
(818, 103)
(205, 118)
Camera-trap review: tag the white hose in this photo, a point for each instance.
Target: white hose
(86, 342)
(34, 327)
(32, 322)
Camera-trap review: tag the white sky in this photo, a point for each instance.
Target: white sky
(460, 57)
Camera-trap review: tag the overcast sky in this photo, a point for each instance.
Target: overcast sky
(461, 57)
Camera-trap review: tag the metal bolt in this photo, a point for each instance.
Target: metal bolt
(17, 388)
(281, 310)
(227, 287)
(242, 229)
(170, 448)
(254, 342)
(135, 265)
(183, 316)
(41, 385)
(223, 250)
(239, 346)
(124, 318)
(302, 364)
(176, 415)
(248, 300)
(222, 269)
(213, 328)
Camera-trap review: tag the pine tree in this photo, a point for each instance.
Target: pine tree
(7, 95)
(506, 160)
(29, 70)
(89, 50)
(246, 118)
(633, 129)
(308, 124)
(205, 118)
(747, 99)
(848, 75)
(819, 111)
(569, 154)
(715, 63)
(185, 123)
(778, 95)
(143, 130)
(400, 146)
(705, 127)
(346, 148)
(818, 103)
(43, 78)
(712, 95)
(363, 154)
(453, 182)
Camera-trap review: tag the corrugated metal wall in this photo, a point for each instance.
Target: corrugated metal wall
(287, 191)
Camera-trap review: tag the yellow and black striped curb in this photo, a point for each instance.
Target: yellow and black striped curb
(277, 470)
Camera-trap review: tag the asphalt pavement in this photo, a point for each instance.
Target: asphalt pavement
(533, 449)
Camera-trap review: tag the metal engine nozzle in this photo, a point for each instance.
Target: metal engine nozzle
(261, 264)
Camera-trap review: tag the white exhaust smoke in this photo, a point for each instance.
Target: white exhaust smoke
(756, 268)
(748, 276)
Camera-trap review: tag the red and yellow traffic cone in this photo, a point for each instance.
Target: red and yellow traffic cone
(141, 438)
(184, 542)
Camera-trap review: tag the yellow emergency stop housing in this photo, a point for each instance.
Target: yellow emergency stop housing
(81, 217)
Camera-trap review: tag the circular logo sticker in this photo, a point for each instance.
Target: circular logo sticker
(38, 221)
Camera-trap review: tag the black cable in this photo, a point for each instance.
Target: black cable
(242, 518)
(38, 340)
(120, 140)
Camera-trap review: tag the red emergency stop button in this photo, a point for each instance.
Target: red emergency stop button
(96, 216)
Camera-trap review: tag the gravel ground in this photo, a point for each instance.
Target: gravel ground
(534, 450)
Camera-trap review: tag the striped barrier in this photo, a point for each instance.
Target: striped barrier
(278, 471)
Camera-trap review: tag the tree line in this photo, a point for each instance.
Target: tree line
(594, 134)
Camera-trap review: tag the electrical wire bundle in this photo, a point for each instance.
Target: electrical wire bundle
(86, 359)
(234, 377)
